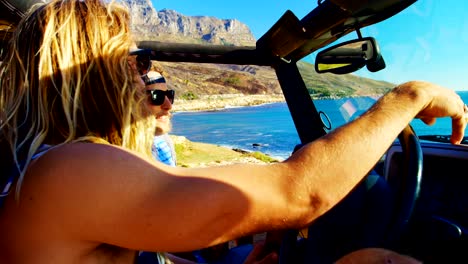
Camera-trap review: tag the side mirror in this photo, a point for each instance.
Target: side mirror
(350, 56)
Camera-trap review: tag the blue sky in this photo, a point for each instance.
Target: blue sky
(427, 41)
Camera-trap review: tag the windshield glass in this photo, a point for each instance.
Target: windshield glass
(338, 111)
(427, 49)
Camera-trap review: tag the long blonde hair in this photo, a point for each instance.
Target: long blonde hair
(65, 78)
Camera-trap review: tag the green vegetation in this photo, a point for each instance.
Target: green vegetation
(195, 154)
(226, 42)
(179, 149)
(189, 95)
(233, 81)
(261, 156)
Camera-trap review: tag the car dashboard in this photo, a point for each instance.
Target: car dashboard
(438, 229)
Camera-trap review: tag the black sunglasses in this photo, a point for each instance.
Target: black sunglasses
(157, 97)
(143, 60)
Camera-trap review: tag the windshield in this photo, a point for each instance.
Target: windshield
(338, 111)
(427, 49)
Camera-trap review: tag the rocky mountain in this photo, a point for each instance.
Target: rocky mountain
(169, 25)
(192, 80)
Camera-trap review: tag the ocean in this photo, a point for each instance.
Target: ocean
(269, 128)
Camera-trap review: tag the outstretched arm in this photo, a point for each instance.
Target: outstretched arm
(106, 194)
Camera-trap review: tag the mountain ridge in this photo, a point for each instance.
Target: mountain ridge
(171, 26)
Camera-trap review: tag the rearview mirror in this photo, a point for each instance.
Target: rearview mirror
(350, 56)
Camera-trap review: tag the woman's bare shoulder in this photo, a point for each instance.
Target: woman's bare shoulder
(82, 168)
(92, 156)
(84, 181)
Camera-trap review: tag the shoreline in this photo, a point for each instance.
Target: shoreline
(216, 102)
(199, 154)
(219, 102)
(219, 155)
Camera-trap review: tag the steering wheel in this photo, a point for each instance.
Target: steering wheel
(402, 194)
